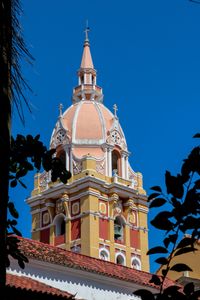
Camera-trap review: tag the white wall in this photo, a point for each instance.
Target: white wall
(85, 285)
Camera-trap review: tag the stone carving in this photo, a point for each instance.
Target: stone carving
(43, 180)
(77, 167)
(100, 167)
(115, 138)
(60, 135)
(59, 206)
(45, 218)
(117, 207)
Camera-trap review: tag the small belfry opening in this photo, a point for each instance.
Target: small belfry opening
(120, 260)
(119, 229)
(115, 163)
(60, 225)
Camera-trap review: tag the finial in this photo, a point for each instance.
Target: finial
(87, 29)
(115, 110)
(60, 109)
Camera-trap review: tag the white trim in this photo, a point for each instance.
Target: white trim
(75, 121)
(138, 261)
(122, 255)
(106, 251)
(102, 120)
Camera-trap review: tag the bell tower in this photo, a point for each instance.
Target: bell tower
(102, 210)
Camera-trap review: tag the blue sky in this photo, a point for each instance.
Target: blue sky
(147, 57)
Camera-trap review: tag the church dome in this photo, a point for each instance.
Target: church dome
(91, 123)
(88, 128)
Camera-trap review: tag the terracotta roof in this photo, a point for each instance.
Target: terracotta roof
(47, 253)
(29, 284)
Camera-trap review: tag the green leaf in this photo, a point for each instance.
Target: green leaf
(162, 261)
(152, 196)
(180, 268)
(157, 202)
(156, 188)
(156, 250)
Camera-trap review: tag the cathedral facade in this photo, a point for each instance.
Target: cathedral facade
(102, 211)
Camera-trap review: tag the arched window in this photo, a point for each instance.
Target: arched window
(119, 228)
(60, 225)
(116, 161)
(136, 263)
(104, 254)
(120, 259)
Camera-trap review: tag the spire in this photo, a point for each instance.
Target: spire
(87, 88)
(86, 62)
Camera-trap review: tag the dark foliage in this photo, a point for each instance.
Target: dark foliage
(181, 224)
(28, 153)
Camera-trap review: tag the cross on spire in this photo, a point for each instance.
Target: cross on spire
(60, 109)
(115, 110)
(87, 29)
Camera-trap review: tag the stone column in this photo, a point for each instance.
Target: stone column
(106, 161)
(123, 165)
(65, 201)
(109, 162)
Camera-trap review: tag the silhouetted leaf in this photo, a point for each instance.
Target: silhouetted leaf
(171, 290)
(155, 279)
(13, 183)
(16, 231)
(13, 210)
(156, 188)
(157, 202)
(180, 268)
(189, 288)
(156, 250)
(161, 221)
(170, 239)
(197, 135)
(186, 241)
(153, 195)
(162, 260)
(144, 294)
(197, 184)
(21, 263)
(184, 250)
(195, 295)
(165, 271)
(174, 185)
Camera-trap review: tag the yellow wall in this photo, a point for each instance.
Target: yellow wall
(192, 259)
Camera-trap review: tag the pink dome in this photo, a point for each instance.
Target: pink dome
(88, 122)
